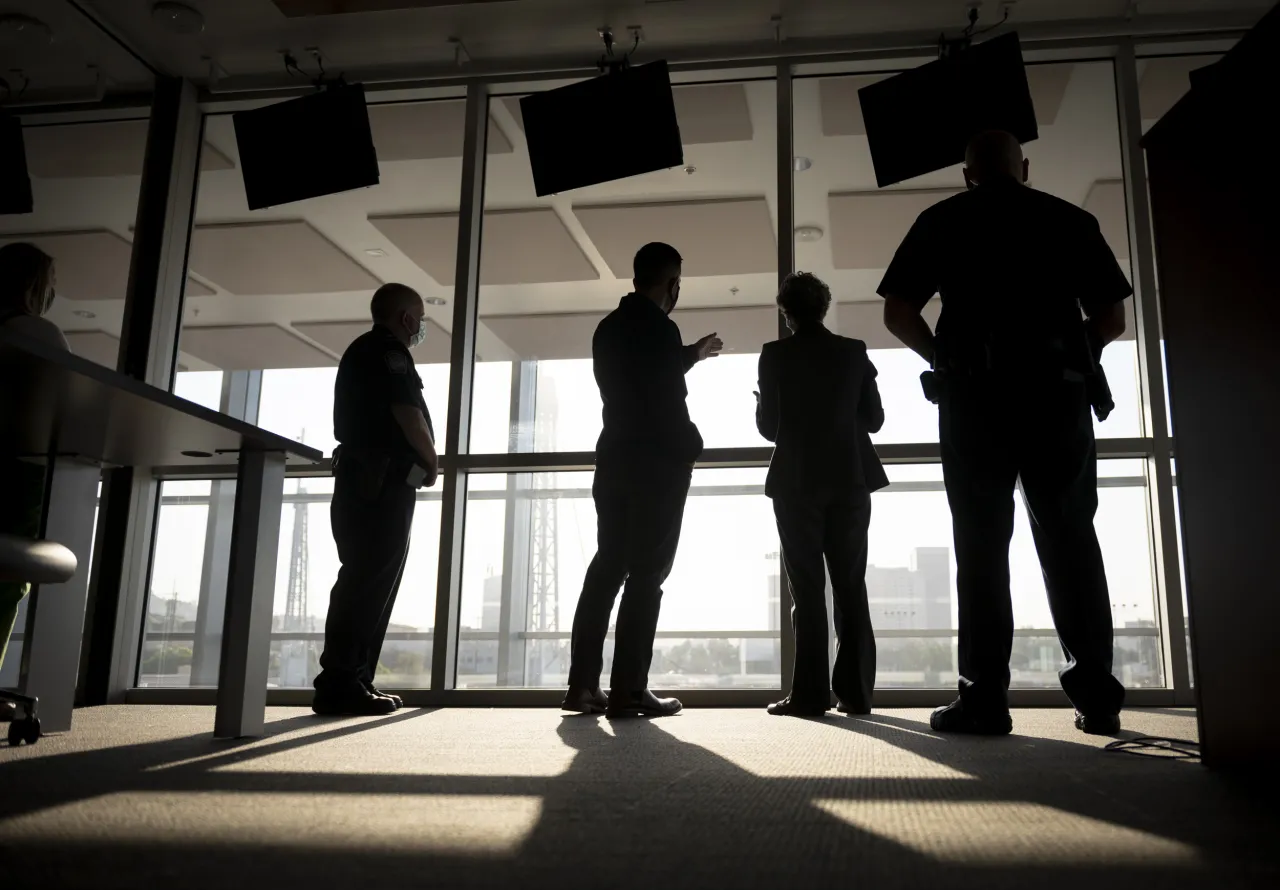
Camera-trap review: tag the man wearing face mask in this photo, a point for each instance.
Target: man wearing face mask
(386, 452)
(644, 463)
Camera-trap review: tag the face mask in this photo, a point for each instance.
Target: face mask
(416, 339)
(674, 295)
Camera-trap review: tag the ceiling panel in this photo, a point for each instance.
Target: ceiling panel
(96, 346)
(707, 113)
(1165, 81)
(842, 113)
(91, 265)
(867, 227)
(732, 236)
(1106, 201)
(520, 246)
(406, 131)
(251, 347)
(267, 258)
(110, 148)
(337, 336)
(302, 8)
(864, 320)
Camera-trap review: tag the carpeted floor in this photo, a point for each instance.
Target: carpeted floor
(142, 797)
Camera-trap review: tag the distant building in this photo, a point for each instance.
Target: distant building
(913, 598)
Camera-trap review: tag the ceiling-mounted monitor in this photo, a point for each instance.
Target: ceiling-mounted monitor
(921, 120)
(613, 126)
(15, 182)
(320, 144)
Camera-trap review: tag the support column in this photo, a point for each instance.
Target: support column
(1159, 472)
(148, 350)
(453, 495)
(56, 612)
(517, 532)
(251, 586)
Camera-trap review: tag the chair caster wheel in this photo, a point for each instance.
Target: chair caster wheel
(24, 730)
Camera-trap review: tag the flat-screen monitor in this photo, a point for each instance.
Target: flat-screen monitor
(15, 183)
(304, 148)
(613, 126)
(921, 120)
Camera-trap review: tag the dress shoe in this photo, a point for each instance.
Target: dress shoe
(585, 701)
(641, 704)
(358, 702)
(955, 718)
(849, 709)
(1098, 724)
(791, 707)
(374, 690)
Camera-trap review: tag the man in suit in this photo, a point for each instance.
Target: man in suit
(818, 402)
(644, 464)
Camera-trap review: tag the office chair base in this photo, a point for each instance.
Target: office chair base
(25, 728)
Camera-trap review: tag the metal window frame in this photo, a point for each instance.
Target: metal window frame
(1154, 446)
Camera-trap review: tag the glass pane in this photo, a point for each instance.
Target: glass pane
(529, 543)
(85, 181)
(274, 296)
(849, 229)
(911, 584)
(552, 267)
(182, 639)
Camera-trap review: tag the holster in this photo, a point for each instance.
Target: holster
(364, 469)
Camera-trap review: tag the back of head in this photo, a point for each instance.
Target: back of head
(805, 298)
(994, 156)
(392, 299)
(655, 265)
(26, 280)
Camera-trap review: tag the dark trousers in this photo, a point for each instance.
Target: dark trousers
(837, 530)
(372, 534)
(994, 433)
(637, 531)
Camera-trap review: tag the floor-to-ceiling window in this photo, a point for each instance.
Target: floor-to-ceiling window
(273, 298)
(550, 269)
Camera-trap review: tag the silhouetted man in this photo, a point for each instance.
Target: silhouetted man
(818, 402)
(386, 451)
(1015, 362)
(644, 464)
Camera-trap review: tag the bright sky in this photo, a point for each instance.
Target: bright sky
(720, 578)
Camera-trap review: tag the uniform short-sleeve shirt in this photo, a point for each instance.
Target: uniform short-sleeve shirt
(1009, 262)
(376, 372)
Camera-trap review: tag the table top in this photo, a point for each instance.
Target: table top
(54, 402)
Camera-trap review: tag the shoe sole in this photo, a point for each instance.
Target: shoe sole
(973, 729)
(582, 709)
(640, 712)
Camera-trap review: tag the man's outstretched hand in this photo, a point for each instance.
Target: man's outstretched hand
(708, 347)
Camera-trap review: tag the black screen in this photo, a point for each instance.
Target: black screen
(15, 184)
(317, 145)
(921, 120)
(616, 125)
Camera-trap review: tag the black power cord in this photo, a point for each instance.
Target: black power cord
(1157, 746)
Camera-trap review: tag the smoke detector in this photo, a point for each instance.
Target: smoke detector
(808, 233)
(177, 18)
(24, 32)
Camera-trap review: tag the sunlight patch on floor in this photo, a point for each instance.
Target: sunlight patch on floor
(454, 824)
(998, 833)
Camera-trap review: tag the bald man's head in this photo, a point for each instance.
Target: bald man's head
(399, 308)
(993, 156)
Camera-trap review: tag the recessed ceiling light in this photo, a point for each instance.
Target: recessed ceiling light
(691, 169)
(436, 301)
(375, 251)
(808, 233)
(801, 164)
(177, 18)
(83, 313)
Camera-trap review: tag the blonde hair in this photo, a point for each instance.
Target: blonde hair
(26, 279)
